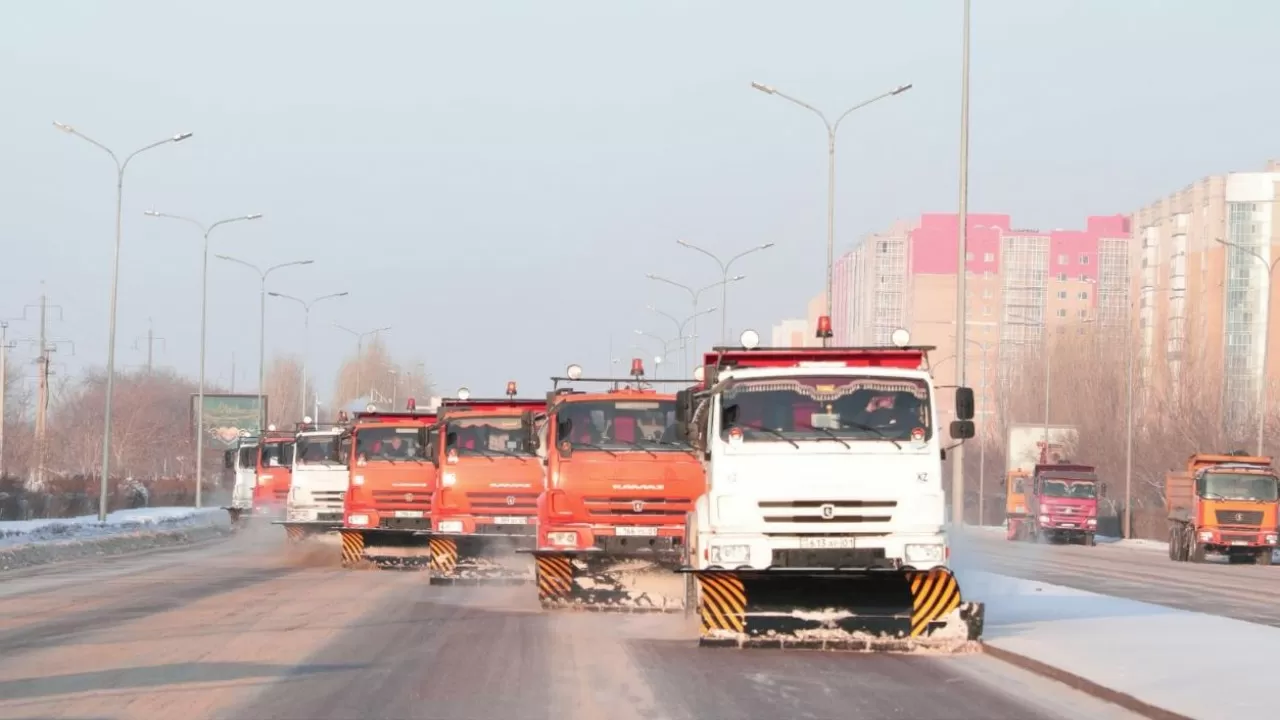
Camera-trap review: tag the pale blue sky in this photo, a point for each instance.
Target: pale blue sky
(495, 178)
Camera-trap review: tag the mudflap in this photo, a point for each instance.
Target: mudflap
(479, 559)
(865, 611)
(386, 549)
(598, 582)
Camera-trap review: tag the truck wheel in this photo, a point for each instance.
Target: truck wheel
(1197, 551)
(1088, 540)
(1175, 542)
(1263, 558)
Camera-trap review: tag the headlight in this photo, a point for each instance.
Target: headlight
(1271, 539)
(730, 554)
(1044, 518)
(923, 553)
(449, 526)
(1207, 535)
(563, 539)
(357, 519)
(449, 479)
(357, 479)
(1093, 521)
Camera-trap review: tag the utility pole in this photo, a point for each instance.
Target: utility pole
(151, 342)
(43, 349)
(4, 385)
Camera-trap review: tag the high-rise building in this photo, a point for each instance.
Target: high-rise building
(1203, 260)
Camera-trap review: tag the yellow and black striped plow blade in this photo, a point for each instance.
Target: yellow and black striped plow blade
(476, 560)
(295, 533)
(867, 611)
(352, 547)
(602, 583)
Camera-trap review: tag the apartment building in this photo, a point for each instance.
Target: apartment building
(1202, 310)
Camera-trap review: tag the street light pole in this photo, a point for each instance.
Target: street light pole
(204, 315)
(832, 128)
(680, 326)
(306, 333)
(262, 327)
(694, 295)
(1266, 337)
(360, 336)
(121, 166)
(724, 273)
(962, 297)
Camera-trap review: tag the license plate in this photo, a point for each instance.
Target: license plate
(1068, 525)
(1239, 542)
(826, 543)
(637, 531)
(511, 520)
(408, 513)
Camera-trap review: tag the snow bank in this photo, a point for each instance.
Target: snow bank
(36, 542)
(1156, 654)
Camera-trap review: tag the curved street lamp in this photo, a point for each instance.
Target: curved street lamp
(306, 332)
(724, 271)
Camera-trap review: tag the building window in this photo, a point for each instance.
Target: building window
(986, 309)
(1062, 277)
(1083, 295)
(1084, 278)
(988, 257)
(1062, 313)
(1082, 314)
(1062, 259)
(968, 257)
(1084, 259)
(1062, 294)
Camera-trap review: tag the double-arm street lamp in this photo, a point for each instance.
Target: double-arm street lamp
(724, 272)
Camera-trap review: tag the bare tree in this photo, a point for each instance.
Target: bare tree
(284, 378)
(374, 377)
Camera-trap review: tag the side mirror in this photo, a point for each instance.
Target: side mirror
(682, 406)
(962, 429)
(964, 404)
(1102, 490)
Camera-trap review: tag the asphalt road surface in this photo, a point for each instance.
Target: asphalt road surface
(1243, 592)
(245, 629)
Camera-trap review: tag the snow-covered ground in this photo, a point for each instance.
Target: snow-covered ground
(36, 542)
(1157, 654)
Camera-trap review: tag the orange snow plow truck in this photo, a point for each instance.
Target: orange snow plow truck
(387, 509)
(485, 506)
(275, 460)
(1223, 504)
(620, 484)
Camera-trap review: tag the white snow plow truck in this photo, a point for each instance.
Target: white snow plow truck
(240, 463)
(823, 523)
(319, 484)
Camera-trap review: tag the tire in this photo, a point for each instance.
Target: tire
(1263, 558)
(1175, 543)
(1197, 549)
(1089, 540)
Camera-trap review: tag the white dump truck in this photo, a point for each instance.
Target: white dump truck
(319, 484)
(240, 463)
(823, 524)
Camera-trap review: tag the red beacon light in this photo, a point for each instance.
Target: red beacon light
(511, 389)
(413, 404)
(824, 326)
(637, 367)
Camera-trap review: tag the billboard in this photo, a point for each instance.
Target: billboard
(1026, 442)
(225, 416)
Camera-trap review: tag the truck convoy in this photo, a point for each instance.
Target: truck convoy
(1225, 504)
(387, 508)
(619, 484)
(822, 525)
(485, 506)
(319, 480)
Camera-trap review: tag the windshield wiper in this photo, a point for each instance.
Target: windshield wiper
(776, 433)
(593, 446)
(868, 428)
(638, 446)
(505, 453)
(829, 434)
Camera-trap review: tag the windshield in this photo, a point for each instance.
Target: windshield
(812, 408)
(318, 450)
(387, 443)
(618, 425)
(249, 457)
(275, 454)
(496, 434)
(1083, 489)
(1238, 486)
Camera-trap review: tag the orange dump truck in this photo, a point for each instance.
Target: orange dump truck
(387, 508)
(275, 460)
(620, 485)
(1016, 509)
(1224, 504)
(486, 505)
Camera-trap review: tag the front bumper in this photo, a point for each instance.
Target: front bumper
(1240, 538)
(507, 525)
(612, 540)
(755, 551)
(313, 514)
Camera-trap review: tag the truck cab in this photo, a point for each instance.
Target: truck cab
(388, 500)
(275, 456)
(240, 464)
(824, 513)
(319, 480)
(1223, 504)
(1063, 504)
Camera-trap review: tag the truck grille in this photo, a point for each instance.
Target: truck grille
(1239, 517)
(664, 508)
(500, 503)
(328, 498)
(282, 495)
(384, 500)
(827, 511)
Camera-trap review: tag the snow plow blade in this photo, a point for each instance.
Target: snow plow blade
(391, 549)
(866, 611)
(479, 560)
(596, 582)
(298, 532)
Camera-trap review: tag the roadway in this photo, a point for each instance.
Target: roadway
(243, 628)
(1142, 572)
